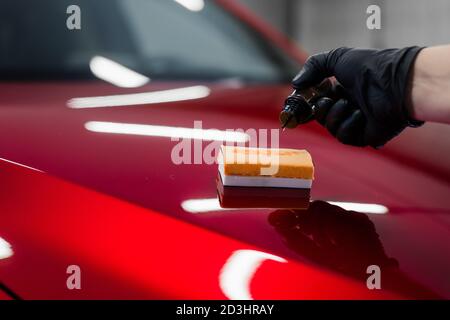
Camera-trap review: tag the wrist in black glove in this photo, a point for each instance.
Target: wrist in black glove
(372, 87)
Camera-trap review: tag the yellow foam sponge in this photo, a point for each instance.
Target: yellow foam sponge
(243, 166)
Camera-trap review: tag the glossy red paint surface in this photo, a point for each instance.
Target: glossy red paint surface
(125, 251)
(121, 213)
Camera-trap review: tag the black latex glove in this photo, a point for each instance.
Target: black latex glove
(372, 86)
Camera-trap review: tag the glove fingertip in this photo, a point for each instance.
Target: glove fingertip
(304, 79)
(313, 72)
(322, 106)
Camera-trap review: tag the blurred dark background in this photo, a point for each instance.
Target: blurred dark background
(323, 24)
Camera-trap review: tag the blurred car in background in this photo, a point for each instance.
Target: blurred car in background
(88, 122)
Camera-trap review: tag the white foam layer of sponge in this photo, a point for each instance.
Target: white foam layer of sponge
(263, 181)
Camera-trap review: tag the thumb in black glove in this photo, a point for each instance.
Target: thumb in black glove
(372, 87)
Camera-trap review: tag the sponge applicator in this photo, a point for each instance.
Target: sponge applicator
(260, 167)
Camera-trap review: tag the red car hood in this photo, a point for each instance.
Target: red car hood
(40, 130)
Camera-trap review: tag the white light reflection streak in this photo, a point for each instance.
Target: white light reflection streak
(201, 205)
(162, 96)
(5, 249)
(193, 5)
(166, 131)
(115, 73)
(238, 271)
(212, 204)
(371, 208)
(19, 164)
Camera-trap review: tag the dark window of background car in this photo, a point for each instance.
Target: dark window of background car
(158, 38)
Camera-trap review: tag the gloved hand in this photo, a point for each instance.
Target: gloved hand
(372, 86)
